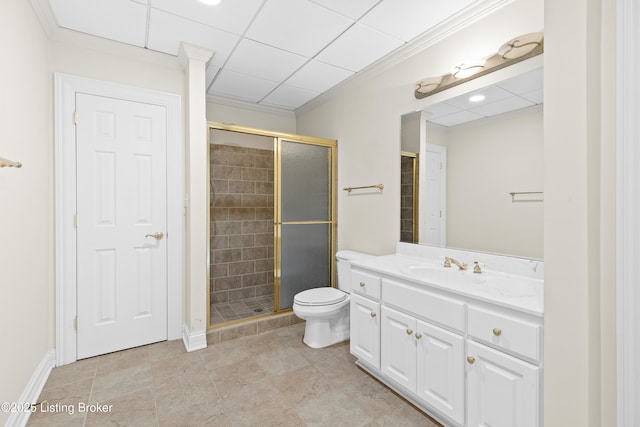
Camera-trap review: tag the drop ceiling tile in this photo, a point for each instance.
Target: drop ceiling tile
(535, 96)
(353, 9)
(524, 83)
(502, 106)
(491, 94)
(440, 109)
(230, 15)
(120, 20)
(221, 42)
(318, 77)
(261, 60)
(289, 97)
(240, 86)
(313, 26)
(457, 118)
(358, 47)
(407, 19)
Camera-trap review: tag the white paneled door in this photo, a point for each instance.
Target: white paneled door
(121, 224)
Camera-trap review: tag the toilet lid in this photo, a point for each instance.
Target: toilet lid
(320, 296)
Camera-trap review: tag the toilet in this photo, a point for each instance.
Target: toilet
(326, 309)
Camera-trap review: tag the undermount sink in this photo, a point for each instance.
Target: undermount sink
(485, 282)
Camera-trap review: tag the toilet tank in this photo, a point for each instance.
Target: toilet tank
(343, 263)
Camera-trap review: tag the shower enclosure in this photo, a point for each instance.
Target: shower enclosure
(272, 220)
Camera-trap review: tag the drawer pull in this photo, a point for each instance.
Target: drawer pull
(497, 332)
(409, 331)
(373, 314)
(471, 360)
(362, 284)
(418, 335)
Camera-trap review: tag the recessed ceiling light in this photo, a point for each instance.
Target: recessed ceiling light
(476, 98)
(210, 2)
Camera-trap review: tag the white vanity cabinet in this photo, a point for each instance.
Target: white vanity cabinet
(502, 389)
(424, 359)
(365, 318)
(464, 361)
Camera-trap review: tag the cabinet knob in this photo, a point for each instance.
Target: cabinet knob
(497, 332)
(418, 335)
(373, 314)
(362, 284)
(471, 360)
(409, 331)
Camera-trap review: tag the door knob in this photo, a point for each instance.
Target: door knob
(158, 235)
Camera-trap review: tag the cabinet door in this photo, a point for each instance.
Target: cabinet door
(440, 379)
(502, 390)
(365, 330)
(398, 347)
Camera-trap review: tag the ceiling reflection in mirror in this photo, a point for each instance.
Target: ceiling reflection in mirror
(472, 155)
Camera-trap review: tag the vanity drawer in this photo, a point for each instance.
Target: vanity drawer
(365, 284)
(422, 303)
(505, 332)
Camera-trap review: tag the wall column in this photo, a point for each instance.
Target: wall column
(194, 60)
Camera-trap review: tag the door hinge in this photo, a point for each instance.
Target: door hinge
(75, 117)
(75, 221)
(440, 214)
(75, 323)
(440, 165)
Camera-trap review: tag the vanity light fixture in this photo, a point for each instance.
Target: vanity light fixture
(467, 69)
(476, 98)
(515, 50)
(211, 2)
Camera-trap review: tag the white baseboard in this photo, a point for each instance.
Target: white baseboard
(193, 341)
(32, 392)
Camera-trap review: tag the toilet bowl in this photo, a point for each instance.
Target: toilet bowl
(326, 309)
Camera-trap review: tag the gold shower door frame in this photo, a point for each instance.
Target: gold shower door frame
(278, 139)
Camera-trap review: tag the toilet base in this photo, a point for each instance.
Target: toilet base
(320, 333)
(322, 330)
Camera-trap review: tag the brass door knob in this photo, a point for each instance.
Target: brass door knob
(158, 235)
(497, 332)
(471, 360)
(362, 284)
(373, 314)
(409, 331)
(418, 335)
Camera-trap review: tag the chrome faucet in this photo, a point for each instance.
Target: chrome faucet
(448, 261)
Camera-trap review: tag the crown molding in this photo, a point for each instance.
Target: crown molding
(44, 13)
(55, 33)
(475, 12)
(244, 105)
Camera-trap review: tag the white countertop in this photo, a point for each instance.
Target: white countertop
(509, 290)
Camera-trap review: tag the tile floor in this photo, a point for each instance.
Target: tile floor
(269, 379)
(241, 309)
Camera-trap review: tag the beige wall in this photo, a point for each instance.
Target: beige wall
(365, 119)
(579, 215)
(486, 160)
(26, 203)
(259, 118)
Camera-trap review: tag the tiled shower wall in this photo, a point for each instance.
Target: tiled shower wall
(406, 199)
(241, 226)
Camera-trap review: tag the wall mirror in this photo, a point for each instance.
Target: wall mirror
(479, 173)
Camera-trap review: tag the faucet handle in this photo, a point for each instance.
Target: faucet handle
(476, 267)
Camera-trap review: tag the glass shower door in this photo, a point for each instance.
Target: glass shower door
(305, 218)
